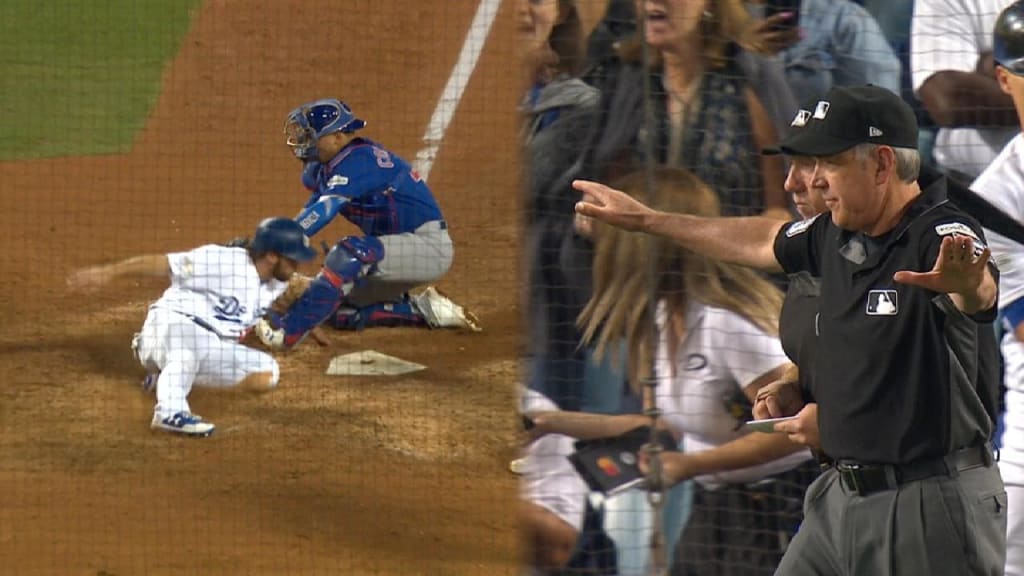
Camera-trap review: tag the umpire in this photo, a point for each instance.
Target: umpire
(907, 292)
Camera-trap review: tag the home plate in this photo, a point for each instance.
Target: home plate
(370, 363)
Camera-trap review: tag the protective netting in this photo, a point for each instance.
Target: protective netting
(625, 330)
(152, 128)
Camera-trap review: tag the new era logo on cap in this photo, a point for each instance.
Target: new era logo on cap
(874, 132)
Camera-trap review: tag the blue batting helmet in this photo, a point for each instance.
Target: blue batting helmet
(1008, 39)
(284, 236)
(309, 122)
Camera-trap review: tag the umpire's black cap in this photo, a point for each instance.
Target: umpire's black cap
(1008, 39)
(847, 116)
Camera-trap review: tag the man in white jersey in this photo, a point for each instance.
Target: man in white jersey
(192, 333)
(1002, 184)
(952, 74)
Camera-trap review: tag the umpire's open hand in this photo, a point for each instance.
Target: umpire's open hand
(610, 206)
(957, 270)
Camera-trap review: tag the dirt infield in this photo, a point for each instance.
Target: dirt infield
(327, 475)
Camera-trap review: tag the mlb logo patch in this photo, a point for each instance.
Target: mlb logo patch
(801, 118)
(821, 110)
(882, 303)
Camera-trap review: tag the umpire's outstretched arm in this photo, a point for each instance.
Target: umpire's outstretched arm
(749, 241)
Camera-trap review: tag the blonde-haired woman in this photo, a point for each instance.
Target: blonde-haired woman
(716, 345)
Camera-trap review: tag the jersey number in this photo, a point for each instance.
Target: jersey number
(383, 158)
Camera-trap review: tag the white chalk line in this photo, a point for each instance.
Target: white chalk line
(472, 46)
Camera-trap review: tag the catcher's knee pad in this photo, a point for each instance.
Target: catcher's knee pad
(351, 254)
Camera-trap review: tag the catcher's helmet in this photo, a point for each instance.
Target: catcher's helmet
(1008, 39)
(307, 123)
(284, 236)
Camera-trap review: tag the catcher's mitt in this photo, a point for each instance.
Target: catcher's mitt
(297, 284)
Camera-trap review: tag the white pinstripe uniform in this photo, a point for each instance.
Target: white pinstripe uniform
(191, 333)
(952, 35)
(1002, 184)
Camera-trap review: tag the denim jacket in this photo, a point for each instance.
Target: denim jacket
(842, 45)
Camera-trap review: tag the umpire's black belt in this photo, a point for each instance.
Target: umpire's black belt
(868, 478)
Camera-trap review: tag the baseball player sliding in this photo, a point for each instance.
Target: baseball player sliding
(192, 333)
(365, 280)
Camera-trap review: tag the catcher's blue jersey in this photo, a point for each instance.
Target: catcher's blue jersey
(371, 187)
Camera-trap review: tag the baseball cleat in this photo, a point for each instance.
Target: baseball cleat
(183, 423)
(440, 312)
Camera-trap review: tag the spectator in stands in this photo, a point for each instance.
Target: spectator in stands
(553, 497)
(893, 17)
(716, 345)
(618, 22)
(707, 117)
(837, 43)
(841, 45)
(954, 77)
(559, 111)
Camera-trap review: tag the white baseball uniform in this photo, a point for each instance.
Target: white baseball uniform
(952, 35)
(191, 334)
(1002, 184)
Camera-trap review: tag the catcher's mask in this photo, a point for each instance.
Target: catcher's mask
(309, 122)
(284, 236)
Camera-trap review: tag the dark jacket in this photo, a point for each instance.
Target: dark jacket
(560, 120)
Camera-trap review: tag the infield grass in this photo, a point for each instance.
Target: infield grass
(79, 77)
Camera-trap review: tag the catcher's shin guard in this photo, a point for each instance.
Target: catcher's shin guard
(348, 261)
(381, 314)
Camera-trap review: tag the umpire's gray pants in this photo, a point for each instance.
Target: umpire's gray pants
(938, 526)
